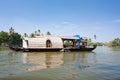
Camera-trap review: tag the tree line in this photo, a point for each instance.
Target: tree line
(14, 38)
(115, 42)
(91, 43)
(36, 33)
(10, 38)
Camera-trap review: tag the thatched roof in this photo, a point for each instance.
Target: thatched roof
(40, 42)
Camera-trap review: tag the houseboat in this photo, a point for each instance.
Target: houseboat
(50, 43)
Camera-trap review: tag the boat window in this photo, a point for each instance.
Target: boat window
(48, 44)
(68, 43)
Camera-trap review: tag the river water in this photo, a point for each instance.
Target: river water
(101, 64)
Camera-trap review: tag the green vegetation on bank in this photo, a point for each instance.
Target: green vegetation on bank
(10, 38)
(112, 43)
(90, 43)
(115, 42)
(13, 38)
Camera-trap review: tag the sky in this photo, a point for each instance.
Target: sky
(63, 17)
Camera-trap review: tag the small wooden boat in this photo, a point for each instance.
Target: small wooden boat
(54, 44)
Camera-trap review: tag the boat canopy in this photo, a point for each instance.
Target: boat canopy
(78, 36)
(69, 38)
(43, 42)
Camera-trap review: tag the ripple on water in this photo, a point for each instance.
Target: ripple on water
(103, 64)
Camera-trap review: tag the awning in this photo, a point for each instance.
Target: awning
(69, 38)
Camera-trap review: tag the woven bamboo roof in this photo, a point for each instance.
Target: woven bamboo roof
(40, 42)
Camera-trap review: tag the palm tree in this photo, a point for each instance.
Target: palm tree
(11, 31)
(38, 32)
(95, 36)
(25, 35)
(90, 40)
(32, 35)
(48, 33)
(35, 33)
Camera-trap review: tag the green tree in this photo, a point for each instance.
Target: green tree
(25, 35)
(95, 36)
(48, 33)
(38, 32)
(11, 31)
(89, 42)
(115, 42)
(32, 35)
(15, 39)
(4, 38)
(35, 33)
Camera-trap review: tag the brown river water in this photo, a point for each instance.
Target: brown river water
(101, 64)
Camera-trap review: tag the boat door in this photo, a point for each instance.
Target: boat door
(48, 44)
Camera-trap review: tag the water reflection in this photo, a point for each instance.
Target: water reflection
(80, 60)
(37, 61)
(102, 65)
(114, 48)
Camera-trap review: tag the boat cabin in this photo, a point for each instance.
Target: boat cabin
(43, 42)
(50, 41)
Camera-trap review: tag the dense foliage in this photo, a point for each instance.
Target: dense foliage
(115, 42)
(15, 39)
(90, 43)
(4, 38)
(10, 38)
